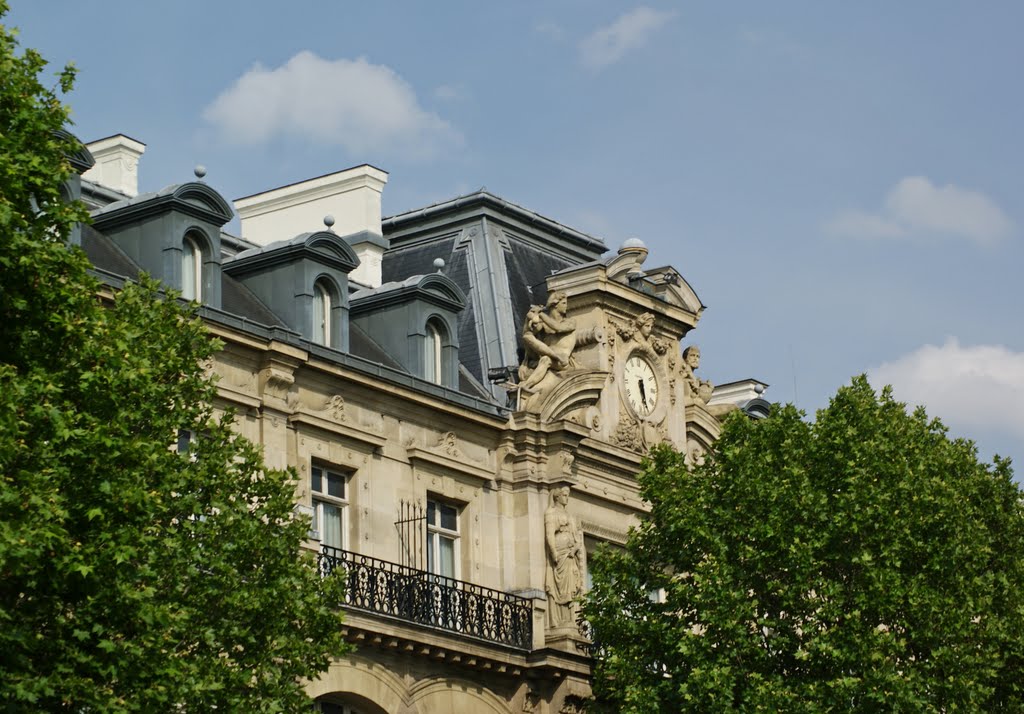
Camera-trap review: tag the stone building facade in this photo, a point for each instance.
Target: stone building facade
(466, 392)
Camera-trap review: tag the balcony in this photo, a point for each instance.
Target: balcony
(416, 596)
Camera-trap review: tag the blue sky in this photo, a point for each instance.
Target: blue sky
(840, 182)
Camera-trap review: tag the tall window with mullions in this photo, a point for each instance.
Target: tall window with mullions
(442, 538)
(329, 503)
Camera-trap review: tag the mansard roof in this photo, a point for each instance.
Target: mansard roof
(483, 200)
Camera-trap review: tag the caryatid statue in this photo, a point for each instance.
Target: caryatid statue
(566, 554)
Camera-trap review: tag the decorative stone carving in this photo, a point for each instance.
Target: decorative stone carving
(698, 391)
(450, 443)
(628, 435)
(506, 454)
(638, 329)
(549, 338)
(695, 452)
(563, 538)
(276, 382)
(336, 406)
(567, 463)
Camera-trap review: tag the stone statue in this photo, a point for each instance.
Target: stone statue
(698, 391)
(564, 541)
(549, 338)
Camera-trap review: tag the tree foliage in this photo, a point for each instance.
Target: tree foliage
(862, 562)
(133, 576)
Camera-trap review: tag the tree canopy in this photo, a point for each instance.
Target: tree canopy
(134, 575)
(864, 561)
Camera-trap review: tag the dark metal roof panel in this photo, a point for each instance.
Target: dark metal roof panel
(104, 254)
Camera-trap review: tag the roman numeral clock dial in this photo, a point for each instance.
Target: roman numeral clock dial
(640, 385)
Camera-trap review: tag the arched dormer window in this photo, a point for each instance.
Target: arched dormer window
(321, 314)
(191, 269)
(432, 365)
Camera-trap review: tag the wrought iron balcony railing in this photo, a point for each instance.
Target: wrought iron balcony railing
(413, 595)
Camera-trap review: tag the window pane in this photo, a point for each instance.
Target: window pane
(446, 557)
(184, 440)
(449, 517)
(319, 315)
(316, 478)
(335, 485)
(330, 526)
(431, 513)
(188, 271)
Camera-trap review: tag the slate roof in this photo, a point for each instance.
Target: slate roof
(104, 254)
(467, 232)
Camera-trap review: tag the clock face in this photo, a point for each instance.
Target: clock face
(640, 384)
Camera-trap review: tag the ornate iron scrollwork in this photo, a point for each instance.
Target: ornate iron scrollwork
(385, 588)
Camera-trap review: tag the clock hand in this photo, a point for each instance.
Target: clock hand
(643, 392)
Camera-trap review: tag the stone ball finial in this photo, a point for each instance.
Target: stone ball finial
(329, 221)
(758, 389)
(632, 244)
(199, 171)
(439, 264)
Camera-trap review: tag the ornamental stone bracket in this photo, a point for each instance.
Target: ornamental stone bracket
(276, 377)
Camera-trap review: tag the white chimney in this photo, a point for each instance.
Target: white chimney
(117, 163)
(351, 196)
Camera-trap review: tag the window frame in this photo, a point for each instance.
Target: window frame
(433, 351)
(191, 265)
(321, 498)
(436, 532)
(323, 304)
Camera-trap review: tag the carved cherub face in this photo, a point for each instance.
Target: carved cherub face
(646, 323)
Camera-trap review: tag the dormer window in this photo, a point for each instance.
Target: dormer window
(432, 368)
(321, 314)
(191, 270)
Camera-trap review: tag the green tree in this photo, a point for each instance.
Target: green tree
(863, 562)
(133, 576)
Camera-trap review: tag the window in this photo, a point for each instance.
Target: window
(321, 314)
(191, 270)
(432, 368)
(329, 504)
(442, 538)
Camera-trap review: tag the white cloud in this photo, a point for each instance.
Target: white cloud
(916, 207)
(362, 107)
(973, 389)
(629, 32)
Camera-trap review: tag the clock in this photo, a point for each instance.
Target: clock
(640, 384)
